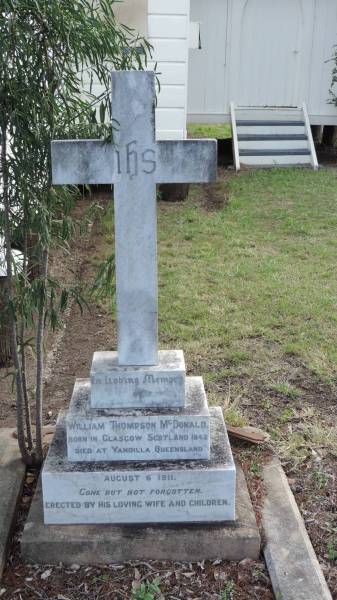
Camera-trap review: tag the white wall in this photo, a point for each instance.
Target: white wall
(168, 32)
(325, 36)
(262, 53)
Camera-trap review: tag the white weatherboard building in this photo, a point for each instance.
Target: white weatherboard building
(166, 24)
(263, 65)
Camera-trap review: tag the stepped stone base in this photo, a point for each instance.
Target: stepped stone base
(138, 435)
(184, 491)
(117, 386)
(107, 544)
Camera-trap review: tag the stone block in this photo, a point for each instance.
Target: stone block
(116, 386)
(12, 476)
(107, 544)
(117, 435)
(291, 560)
(134, 492)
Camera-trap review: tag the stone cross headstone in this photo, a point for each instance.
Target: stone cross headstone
(135, 163)
(139, 443)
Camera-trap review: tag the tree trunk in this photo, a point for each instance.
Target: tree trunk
(20, 417)
(5, 333)
(39, 361)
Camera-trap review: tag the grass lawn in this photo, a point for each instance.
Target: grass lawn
(248, 288)
(217, 131)
(261, 269)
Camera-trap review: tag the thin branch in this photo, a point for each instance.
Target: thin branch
(23, 351)
(40, 356)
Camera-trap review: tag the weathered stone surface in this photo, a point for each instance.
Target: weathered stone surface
(135, 163)
(115, 386)
(155, 492)
(115, 435)
(12, 475)
(136, 220)
(292, 563)
(106, 544)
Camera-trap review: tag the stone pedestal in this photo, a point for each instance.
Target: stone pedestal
(141, 435)
(112, 462)
(117, 386)
(160, 480)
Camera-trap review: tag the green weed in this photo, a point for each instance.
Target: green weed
(332, 551)
(266, 404)
(104, 578)
(320, 478)
(147, 590)
(285, 388)
(286, 415)
(227, 592)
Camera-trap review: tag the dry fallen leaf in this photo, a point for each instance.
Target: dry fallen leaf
(219, 575)
(46, 574)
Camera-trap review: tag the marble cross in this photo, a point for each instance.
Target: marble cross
(134, 162)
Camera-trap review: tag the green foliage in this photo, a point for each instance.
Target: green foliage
(285, 388)
(227, 592)
(320, 478)
(104, 578)
(48, 49)
(146, 590)
(286, 415)
(333, 96)
(104, 284)
(332, 551)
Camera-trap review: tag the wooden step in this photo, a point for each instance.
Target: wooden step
(270, 137)
(271, 130)
(276, 161)
(284, 114)
(270, 144)
(286, 152)
(271, 123)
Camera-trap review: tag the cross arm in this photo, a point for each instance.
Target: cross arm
(187, 161)
(76, 162)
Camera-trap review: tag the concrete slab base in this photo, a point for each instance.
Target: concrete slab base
(106, 544)
(291, 560)
(12, 475)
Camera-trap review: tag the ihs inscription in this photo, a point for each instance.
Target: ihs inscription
(132, 161)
